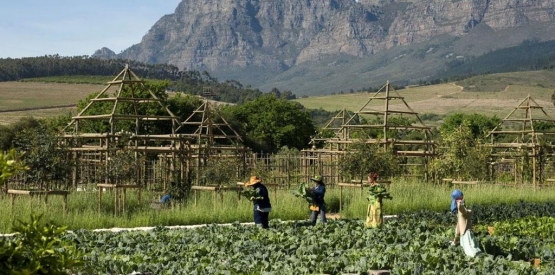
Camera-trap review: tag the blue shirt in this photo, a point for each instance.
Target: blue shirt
(264, 202)
(319, 193)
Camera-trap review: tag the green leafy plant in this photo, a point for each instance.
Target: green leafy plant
(304, 192)
(378, 193)
(250, 194)
(10, 165)
(38, 249)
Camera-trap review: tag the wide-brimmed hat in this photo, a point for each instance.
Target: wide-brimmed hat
(254, 180)
(317, 179)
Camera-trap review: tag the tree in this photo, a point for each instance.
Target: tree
(363, 158)
(479, 125)
(10, 165)
(460, 155)
(45, 157)
(269, 123)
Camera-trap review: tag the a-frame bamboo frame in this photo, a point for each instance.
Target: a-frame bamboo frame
(118, 93)
(528, 140)
(345, 135)
(211, 135)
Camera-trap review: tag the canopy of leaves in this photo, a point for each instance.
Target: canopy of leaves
(269, 123)
(460, 155)
(363, 158)
(479, 125)
(45, 157)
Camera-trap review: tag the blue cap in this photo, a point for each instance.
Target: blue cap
(454, 196)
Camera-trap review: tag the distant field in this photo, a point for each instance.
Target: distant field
(496, 94)
(16, 98)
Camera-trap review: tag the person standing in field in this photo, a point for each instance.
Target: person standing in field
(319, 205)
(372, 178)
(464, 225)
(261, 202)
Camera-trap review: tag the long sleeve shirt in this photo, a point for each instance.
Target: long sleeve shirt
(319, 193)
(463, 218)
(263, 203)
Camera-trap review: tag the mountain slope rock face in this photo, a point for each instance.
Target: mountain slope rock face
(274, 36)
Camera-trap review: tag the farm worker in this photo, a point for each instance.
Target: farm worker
(373, 178)
(464, 224)
(319, 206)
(261, 203)
(165, 199)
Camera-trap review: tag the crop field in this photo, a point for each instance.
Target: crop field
(20, 99)
(417, 242)
(496, 94)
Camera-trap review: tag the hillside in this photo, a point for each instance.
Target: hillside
(494, 94)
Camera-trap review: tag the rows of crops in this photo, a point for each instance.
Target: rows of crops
(416, 243)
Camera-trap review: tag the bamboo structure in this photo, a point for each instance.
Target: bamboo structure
(525, 134)
(101, 139)
(211, 137)
(388, 125)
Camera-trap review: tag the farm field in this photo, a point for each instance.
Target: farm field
(496, 94)
(416, 242)
(40, 100)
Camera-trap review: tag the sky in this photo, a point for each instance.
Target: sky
(30, 28)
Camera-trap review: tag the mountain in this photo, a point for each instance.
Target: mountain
(325, 46)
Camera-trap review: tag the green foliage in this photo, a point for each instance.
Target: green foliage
(415, 246)
(122, 167)
(268, 123)
(479, 125)
(39, 248)
(460, 155)
(304, 192)
(377, 193)
(250, 194)
(44, 155)
(220, 171)
(363, 158)
(10, 165)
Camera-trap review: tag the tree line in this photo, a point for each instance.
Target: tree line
(185, 81)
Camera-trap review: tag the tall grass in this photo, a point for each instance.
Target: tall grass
(407, 196)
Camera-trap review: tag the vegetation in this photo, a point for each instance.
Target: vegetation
(337, 247)
(269, 123)
(39, 248)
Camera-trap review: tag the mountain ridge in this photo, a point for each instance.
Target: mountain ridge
(267, 43)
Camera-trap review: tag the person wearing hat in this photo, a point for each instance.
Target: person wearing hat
(464, 224)
(261, 203)
(319, 206)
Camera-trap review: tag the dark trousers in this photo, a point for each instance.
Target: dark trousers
(322, 212)
(261, 218)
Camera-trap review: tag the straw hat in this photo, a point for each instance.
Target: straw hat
(254, 180)
(317, 179)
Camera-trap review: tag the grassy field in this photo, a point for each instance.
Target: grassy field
(40, 100)
(495, 94)
(408, 196)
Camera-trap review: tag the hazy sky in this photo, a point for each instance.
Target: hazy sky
(76, 27)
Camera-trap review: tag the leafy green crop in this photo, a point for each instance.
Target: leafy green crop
(304, 192)
(378, 193)
(250, 194)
